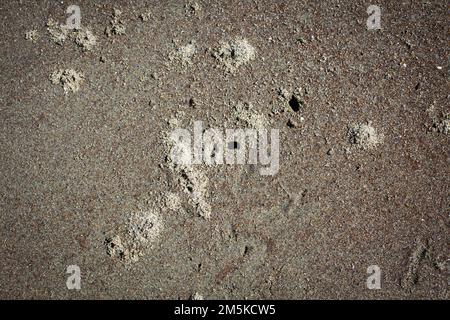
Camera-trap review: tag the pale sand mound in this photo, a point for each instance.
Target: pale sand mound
(234, 53)
(443, 126)
(245, 112)
(32, 35)
(117, 26)
(184, 54)
(142, 230)
(58, 33)
(69, 79)
(193, 181)
(364, 136)
(172, 201)
(85, 39)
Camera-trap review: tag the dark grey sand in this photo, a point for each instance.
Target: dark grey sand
(364, 163)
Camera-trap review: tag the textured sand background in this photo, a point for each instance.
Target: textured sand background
(78, 168)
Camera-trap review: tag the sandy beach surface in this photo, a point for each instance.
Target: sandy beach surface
(86, 177)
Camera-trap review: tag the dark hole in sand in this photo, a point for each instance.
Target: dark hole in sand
(295, 104)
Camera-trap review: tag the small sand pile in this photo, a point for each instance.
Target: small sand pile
(115, 248)
(245, 112)
(364, 136)
(283, 94)
(195, 183)
(142, 230)
(443, 126)
(58, 33)
(85, 39)
(197, 296)
(145, 16)
(32, 35)
(192, 180)
(184, 54)
(172, 201)
(69, 79)
(193, 8)
(177, 120)
(234, 53)
(280, 105)
(144, 227)
(117, 26)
